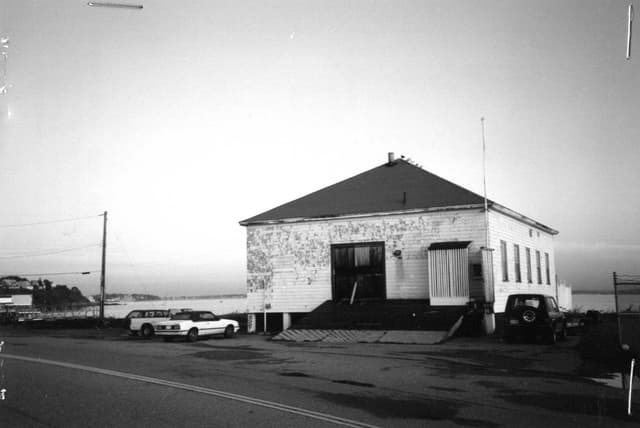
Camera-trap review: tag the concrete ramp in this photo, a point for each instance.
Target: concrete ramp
(362, 336)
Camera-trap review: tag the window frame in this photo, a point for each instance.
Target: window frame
(547, 268)
(505, 261)
(538, 267)
(516, 263)
(529, 273)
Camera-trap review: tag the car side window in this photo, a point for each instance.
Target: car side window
(206, 316)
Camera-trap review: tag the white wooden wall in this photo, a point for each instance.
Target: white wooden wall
(513, 231)
(289, 265)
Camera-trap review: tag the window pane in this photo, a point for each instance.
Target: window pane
(505, 267)
(362, 256)
(547, 269)
(516, 258)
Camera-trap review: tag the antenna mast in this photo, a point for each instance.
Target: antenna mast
(484, 185)
(629, 28)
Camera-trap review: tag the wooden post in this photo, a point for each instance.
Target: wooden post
(102, 271)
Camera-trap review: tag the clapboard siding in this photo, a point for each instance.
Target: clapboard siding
(289, 264)
(512, 231)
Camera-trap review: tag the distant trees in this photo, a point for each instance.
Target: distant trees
(59, 295)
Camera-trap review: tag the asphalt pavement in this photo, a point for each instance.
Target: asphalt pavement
(105, 378)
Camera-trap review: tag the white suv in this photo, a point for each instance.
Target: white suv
(144, 321)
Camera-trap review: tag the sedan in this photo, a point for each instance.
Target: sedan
(193, 324)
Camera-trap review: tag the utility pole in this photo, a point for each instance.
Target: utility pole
(102, 272)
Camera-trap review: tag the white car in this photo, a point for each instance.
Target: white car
(194, 324)
(144, 321)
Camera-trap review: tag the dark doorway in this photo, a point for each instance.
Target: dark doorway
(361, 263)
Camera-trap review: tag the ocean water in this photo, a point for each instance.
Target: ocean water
(605, 302)
(217, 306)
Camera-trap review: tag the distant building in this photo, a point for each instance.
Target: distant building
(15, 292)
(393, 232)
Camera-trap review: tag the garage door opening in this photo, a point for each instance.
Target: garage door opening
(358, 271)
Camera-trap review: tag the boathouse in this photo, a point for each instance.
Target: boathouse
(396, 231)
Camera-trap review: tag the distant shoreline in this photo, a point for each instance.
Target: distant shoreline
(214, 296)
(600, 292)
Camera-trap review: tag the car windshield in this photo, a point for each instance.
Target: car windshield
(134, 314)
(532, 301)
(182, 316)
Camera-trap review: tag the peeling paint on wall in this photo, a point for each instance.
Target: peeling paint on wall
(300, 253)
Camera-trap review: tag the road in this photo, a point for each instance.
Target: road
(67, 379)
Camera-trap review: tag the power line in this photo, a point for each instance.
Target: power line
(48, 252)
(53, 273)
(50, 221)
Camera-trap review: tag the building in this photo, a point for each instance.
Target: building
(393, 232)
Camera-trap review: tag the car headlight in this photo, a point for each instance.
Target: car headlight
(175, 327)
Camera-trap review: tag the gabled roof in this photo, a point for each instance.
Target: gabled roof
(397, 186)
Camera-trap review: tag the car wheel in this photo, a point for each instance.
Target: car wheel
(228, 332)
(167, 339)
(146, 331)
(192, 336)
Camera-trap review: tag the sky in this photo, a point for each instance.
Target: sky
(183, 118)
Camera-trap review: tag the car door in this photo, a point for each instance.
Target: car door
(218, 324)
(205, 323)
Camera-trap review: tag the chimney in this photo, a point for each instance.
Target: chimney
(392, 158)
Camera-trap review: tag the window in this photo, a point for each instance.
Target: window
(529, 279)
(546, 267)
(531, 301)
(505, 265)
(551, 305)
(516, 262)
(538, 269)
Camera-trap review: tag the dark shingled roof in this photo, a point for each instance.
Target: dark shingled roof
(396, 186)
